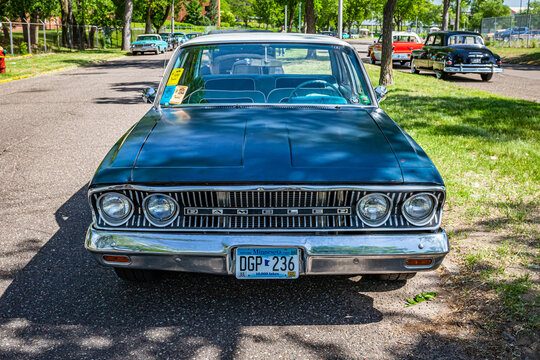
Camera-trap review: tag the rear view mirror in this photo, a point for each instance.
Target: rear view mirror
(149, 95)
(381, 92)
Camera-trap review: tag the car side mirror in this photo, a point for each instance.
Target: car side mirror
(381, 92)
(149, 95)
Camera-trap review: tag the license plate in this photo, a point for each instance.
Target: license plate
(476, 61)
(267, 263)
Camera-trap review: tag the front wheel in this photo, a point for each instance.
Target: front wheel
(414, 70)
(136, 275)
(402, 63)
(439, 74)
(486, 77)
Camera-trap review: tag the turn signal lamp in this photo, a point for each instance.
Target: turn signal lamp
(116, 258)
(418, 262)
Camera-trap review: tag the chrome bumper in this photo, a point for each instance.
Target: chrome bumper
(144, 49)
(321, 254)
(473, 69)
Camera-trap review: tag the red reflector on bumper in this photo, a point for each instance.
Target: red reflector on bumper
(418, 262)
(116, 258)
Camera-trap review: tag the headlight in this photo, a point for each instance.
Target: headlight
(419, 209)
(159, 209)
(374, 209)
(114, 208)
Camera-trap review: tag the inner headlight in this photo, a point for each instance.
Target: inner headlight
(374, 209)
(160, 209)
(115, 208)
(420, 208)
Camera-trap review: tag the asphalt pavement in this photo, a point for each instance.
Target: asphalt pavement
(56, 302)
(517, 81)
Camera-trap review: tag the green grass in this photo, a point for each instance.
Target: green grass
(487, 149)
(530, 56)
(41, 64)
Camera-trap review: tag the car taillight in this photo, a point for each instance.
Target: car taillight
(499, 62)
(448, 62)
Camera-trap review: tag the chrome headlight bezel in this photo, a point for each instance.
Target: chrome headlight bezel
(109, 220)
(381, 221)
(426, 219)
(152, 219)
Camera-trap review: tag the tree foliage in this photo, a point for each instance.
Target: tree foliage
(485, 9)
(193, 12)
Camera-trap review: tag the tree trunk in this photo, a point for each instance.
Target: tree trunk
(159, 26)
(386, 77)
(91, 36)
(445, 15)
(310, 17)
(458, 6)
(148, 25)
(126, 30)
(291, 16)
(5, 29)
(65, 6)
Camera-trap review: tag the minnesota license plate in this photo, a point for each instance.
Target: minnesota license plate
(267, 263)
(476, 61)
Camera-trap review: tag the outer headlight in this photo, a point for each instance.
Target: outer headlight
(159, 209)
(419, 209)
(374, 209)
(114, 208)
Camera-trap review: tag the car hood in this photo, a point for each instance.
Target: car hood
(254, 144)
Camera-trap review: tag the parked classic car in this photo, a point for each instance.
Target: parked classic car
(180, 37)
(170, 39)
(456, 52)
(266, 155)
(403, 44)
(149, 43)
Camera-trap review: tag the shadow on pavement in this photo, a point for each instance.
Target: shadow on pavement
(62, 302)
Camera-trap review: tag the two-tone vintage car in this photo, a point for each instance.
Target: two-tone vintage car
(456, 52)
(403, 43)
(149, 43)
(267, 156)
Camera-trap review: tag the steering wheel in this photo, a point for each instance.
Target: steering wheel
(323, 82)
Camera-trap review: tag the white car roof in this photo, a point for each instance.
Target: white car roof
(266, 37)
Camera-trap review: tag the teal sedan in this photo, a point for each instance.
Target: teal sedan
(149, 43)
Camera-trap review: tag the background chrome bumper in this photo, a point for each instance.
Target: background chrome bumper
(321, 254)
(473, 69)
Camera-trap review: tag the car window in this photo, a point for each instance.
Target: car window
(462, 39)
(429, 40)
(147, 38)
(266, 73)
(437, 40)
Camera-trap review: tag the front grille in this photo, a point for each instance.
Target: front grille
(267, 210)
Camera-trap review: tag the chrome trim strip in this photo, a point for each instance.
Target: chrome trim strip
(385, 188)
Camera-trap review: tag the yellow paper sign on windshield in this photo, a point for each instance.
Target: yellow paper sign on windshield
(178, 95)
(175, 76)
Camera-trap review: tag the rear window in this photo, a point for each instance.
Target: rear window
(266, 73)
(465, 40)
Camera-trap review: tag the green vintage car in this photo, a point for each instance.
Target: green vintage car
(149, 43)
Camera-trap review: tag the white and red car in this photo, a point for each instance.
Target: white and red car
(403, 43)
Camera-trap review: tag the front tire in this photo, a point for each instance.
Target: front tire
(414, 70)
(486, 77)
(402, 63)
(441, 75)
(136, 275)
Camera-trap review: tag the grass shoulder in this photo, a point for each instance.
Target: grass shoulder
(39, 64)
(524, 56)
(486, 148)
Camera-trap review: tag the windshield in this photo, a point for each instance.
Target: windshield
(164, 36)
(465, 40)
(147, 38)
(266, 74)
(406, 38)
